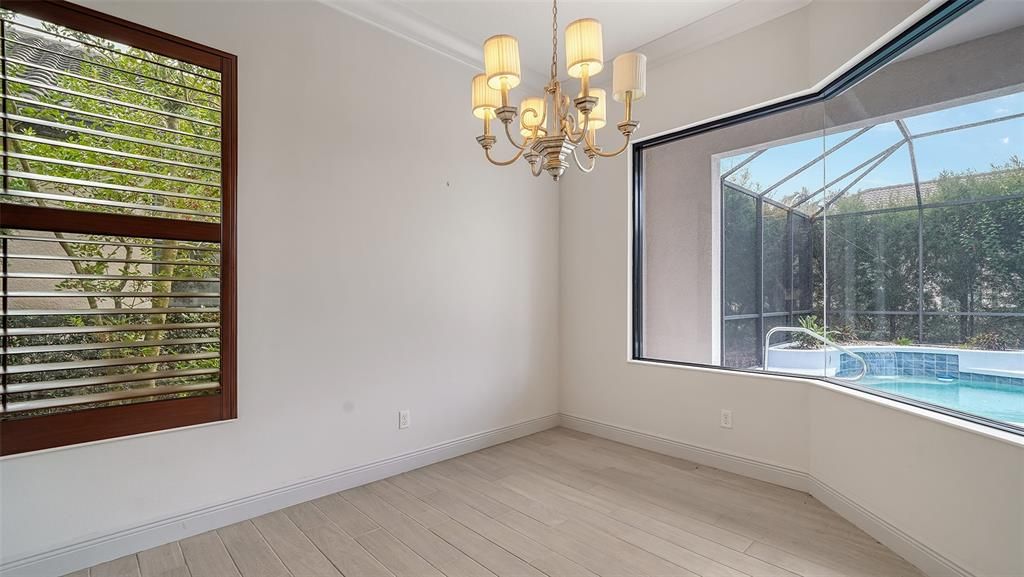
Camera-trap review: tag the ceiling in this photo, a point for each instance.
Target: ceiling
(626, 25)
(459, 28)
(989, 17)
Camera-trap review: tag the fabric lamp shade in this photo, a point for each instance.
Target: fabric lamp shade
(501, 61)
(485, 98)
(629, 74)
(584, 50)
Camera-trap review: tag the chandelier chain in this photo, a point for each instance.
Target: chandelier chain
(554, 39)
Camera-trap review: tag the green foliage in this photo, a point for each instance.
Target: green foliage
(903, 341)
(805, 341)
(150, 135)
(843, 333)
(740, 261)
(973, 260)
(141, 98)
(988, 342)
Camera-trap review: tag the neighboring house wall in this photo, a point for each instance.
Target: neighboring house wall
(40, 266)
(947, 485)
(379, 269)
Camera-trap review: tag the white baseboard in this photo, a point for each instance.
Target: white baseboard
(98, 550)
(768, 472)
(928, 560)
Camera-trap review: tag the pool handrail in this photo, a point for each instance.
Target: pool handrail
(827, 341)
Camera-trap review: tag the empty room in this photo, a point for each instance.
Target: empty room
(512, 288)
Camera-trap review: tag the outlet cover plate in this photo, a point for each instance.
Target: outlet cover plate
(726, 422)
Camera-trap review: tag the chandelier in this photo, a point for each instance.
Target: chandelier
(549, 131)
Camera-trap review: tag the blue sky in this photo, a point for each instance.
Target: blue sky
(972, 148)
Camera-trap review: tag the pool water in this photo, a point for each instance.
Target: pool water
(999, 402)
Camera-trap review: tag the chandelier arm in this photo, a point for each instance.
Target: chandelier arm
(583, 129)
(527, 140)
(585, 170)
(571, 122)
(487, 153)
(590, 145)
(508, 134)
(598, 151)
(536, 169)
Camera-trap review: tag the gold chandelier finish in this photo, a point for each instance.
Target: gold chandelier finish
(555, 127)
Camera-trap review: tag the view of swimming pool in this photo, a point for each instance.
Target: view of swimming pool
(989, 384)
(997, 401)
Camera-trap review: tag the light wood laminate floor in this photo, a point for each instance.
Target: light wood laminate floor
(558, 503)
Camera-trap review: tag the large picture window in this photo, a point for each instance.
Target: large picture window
(873, 236)
(117, 229)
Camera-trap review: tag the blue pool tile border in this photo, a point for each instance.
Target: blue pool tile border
(977, 377)
(943, 366)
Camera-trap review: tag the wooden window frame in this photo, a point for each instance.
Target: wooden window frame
(75, 427)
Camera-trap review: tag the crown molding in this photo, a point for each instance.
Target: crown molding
(404, 22)
(725, 23)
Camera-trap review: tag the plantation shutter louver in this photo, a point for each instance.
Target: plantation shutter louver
(116, 228)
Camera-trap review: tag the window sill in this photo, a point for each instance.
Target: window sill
(110, 438)
(1015, 439)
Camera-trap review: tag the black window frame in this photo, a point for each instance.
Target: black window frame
(928, 25)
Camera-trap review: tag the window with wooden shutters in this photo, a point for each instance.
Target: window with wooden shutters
(117, 228)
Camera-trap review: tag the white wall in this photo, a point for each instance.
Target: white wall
(382, 265)
(428, 282)
(597, 382)
(958, 492)
(951, 489)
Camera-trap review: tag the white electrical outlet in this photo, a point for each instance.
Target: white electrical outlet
(403, 419)
(726, 422)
